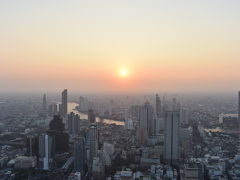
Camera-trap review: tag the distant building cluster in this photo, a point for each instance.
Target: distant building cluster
(155, 139)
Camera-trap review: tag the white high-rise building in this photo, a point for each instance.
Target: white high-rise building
(171, 136)
(93, 141)
(46, 150)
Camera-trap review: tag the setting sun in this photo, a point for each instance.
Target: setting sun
(124, 72)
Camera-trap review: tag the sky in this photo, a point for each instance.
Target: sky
(167, 46)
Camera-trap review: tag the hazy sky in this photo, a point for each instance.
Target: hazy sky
(47, 45)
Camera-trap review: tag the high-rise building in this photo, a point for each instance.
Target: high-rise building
(158, 108)
(53, 109)
(184, 118)
(93, 141)
(164, 106)
(46, 151)
(171, 136)
(159, 115)
(91, 116)
(175, 105)
(79, 154)
(73, 122)
(44, 102)
(84, 104)
(147, 123)
(57, 130)
(64, 105)
(32, 144)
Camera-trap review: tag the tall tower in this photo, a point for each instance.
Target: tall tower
(44, 102)
(171, 136)
(158, 106)
(79, 154)
(93, 141)
(91, 116)
(73, 122)
(57, 130)
(64, 106)
(184, 118)
(46, 150)
(147, 125)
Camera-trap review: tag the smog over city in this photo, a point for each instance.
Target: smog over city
(119, 90)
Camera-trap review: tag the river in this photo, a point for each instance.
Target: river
(72, 108)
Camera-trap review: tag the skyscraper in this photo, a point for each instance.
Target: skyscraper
(184, 116)
(46, 150)
(32, 144)
(91, 116)
(64, 106)
(73, 122)
(93, 141)
(158, 106)
(53, 109)
(147, 123)
(171, 136)
(79, 154)
(57, 130)
(174, 104)
(44, 102)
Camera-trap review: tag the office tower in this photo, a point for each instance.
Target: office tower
(175, 105)
(57, 130)
(32, 146)
(83, 104)
(44, 102)
(159, 124)
(52, 109)
(73, 122)
(159, 115)
(64, 105)
(171, 137)
(93, 141)
(79, 153)
(70, 125)
(91, 116)
(135, 112)
(147, 123)
(184, 118)
(158, 106)
(164, 106)
(46, 150)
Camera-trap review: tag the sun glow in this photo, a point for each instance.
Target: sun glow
(123, 72)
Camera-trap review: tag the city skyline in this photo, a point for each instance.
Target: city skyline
(87, 46)
(119, 90)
